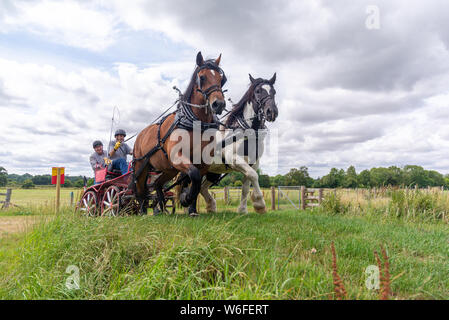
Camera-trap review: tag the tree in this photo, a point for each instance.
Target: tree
(298, 177)
(264, 181)
(334, 179)
(416, 175)
(79, 183)
(67, 184)
(277, 180)
(3, 177)
(28, 184)
(42, 179)
(350, 179)
(364, 179)
(238, 183)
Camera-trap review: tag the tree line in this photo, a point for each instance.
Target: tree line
(409, 175)
(30, 181)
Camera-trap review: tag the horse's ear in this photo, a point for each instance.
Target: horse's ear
(199, 59)
(217, 62)
(251, 78)
(273, 79)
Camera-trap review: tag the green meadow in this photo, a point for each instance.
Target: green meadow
(283, 254)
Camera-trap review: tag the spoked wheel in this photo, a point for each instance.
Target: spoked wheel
(88, 205)
(110, 205)
(170, 206)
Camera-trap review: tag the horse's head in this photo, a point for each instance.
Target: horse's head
(210, 79)
(264, 97)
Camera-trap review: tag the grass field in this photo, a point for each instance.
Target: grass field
(283, 254)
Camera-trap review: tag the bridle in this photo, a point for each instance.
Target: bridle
(209, 64)
(260, 102)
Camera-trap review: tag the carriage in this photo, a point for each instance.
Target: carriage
(113, 197)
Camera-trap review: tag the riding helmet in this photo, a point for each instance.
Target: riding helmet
(120, 131)
(97, 143)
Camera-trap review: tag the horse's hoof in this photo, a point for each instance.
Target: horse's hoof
(193, 213)
(183, 200)
(242, 211)
(261, 210)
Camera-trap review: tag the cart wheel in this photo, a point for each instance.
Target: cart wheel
(110, 206)
(170, 206)
(88, 205)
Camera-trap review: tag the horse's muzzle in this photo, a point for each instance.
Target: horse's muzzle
(218, 106)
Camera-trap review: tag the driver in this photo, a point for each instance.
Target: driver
(119, 150)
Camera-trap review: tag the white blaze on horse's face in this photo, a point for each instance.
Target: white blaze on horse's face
(213, 72)
(267, 88)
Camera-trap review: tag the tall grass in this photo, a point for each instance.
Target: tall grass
(408, 204)
(398, 203)
(280, 255)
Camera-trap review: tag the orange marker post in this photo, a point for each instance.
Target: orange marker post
(58, 179)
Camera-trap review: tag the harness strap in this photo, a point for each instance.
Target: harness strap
(159, 146)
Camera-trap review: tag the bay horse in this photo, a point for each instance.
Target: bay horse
(257, 105)
(155, 146)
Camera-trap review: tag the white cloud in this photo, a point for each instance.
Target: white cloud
(63, 112)
(346, 95)
(78, 24)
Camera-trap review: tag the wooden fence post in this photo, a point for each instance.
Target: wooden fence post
(226, 195)
(279, 195)
(303, 198)
(71, 198)
(58, 189)
(273, 199)
(320, 196)
(7, 201)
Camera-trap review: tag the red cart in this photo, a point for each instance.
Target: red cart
(112, 197)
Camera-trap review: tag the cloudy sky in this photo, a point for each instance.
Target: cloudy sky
(351, 88)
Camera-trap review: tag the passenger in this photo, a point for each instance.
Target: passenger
(99, 158)
(118, 151)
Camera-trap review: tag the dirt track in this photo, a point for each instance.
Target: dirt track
(16, 224)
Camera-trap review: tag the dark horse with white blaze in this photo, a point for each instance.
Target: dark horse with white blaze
(155, 147)
(257, 105)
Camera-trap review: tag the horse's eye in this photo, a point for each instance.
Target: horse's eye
(202, 78)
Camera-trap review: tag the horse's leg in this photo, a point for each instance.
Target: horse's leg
(190, 194)
(257, 196)
(141, 190)
(160, 206)
(252, 176)
(211, 204)
(244, 200)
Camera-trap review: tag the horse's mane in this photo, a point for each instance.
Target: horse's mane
(187, 95)
(237, 109)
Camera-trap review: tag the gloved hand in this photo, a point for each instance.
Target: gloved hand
(107, 161)
(117, 145)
